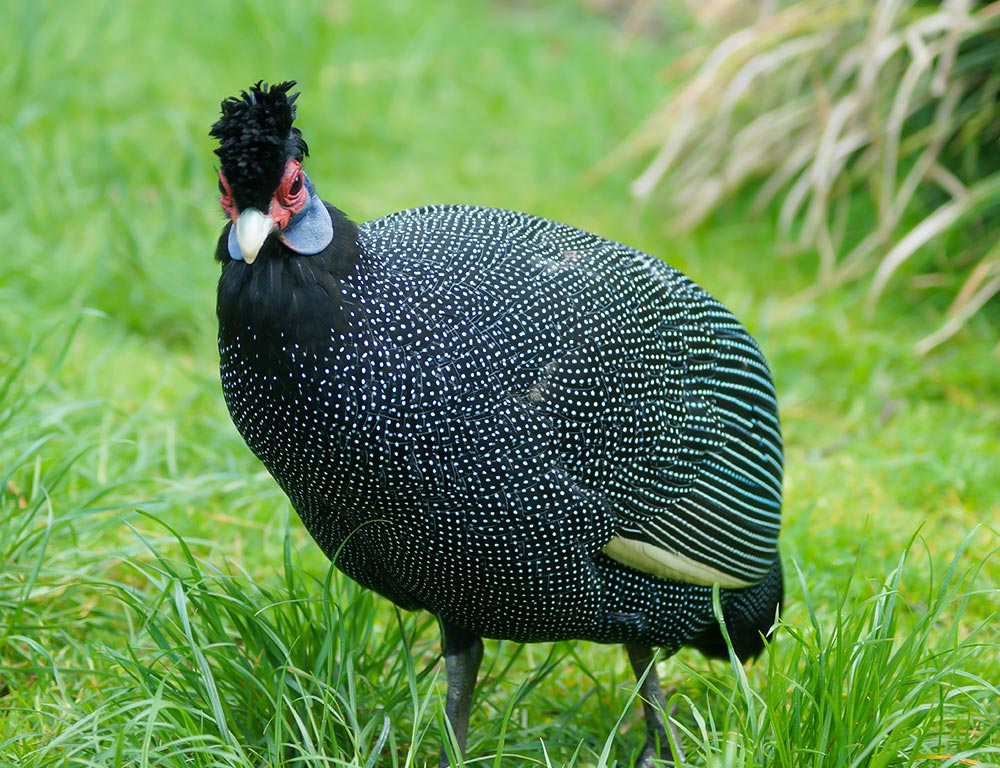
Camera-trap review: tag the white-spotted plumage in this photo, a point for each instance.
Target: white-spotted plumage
(503, 397)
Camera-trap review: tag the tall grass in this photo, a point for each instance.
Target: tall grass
(221, 671)
(883, 680)
(873, 124)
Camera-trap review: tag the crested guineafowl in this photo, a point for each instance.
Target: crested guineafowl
(528, 430)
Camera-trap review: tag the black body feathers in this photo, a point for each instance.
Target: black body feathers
(496, 399)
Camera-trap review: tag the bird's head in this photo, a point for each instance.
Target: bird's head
(264, 189)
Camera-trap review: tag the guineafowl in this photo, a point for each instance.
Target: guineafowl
(530, 431)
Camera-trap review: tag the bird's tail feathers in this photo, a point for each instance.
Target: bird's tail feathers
(749, 615)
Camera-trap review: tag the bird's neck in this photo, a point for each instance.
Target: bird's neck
(286, 298)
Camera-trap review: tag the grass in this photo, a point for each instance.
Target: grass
(159, 604)
(872, 125)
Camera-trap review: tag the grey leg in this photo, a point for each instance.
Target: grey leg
(463, 653)
(654, 703)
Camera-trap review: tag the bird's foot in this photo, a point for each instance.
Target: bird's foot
(657, 752)
(657, 749)
(654, 755)
(650, 757)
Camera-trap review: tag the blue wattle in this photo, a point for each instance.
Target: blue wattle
(234, 247)
(309, 231)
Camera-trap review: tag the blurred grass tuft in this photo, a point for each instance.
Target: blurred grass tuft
(873, 125)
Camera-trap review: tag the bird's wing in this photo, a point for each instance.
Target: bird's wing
(656, 400)
(664, 405)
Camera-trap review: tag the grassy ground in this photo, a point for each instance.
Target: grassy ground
(158, 605)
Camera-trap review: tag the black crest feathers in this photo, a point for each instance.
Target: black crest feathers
(256, 137)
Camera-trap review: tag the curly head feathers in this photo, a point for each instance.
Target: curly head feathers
(256, 138)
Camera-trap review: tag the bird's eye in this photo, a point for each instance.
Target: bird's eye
(291, 192)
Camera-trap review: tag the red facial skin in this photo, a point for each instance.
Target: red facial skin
(289, 198)
(226, 201)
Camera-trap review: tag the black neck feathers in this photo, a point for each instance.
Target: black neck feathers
(285, 298)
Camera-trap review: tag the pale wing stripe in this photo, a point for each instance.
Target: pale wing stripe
(706, 527)
(733, 558)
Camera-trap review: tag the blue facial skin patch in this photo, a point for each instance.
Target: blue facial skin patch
(308, 232)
